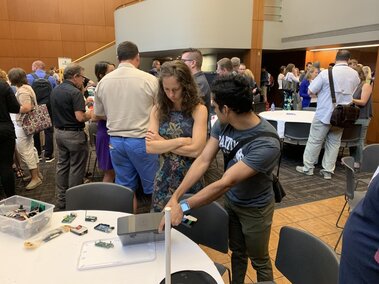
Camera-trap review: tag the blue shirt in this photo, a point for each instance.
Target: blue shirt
(40, 73)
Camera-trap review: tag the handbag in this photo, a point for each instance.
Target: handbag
(279, 192)
(343, 115)
(36, 120)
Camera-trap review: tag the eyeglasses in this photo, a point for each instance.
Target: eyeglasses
(184, 60)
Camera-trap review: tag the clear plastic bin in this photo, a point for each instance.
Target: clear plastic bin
(27, 228)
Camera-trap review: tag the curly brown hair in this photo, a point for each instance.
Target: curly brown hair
(190, 92)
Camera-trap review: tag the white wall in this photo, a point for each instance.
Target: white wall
(310, 23)
(156, 25)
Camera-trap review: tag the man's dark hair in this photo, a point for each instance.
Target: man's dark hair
(343, 55)
(127, 50)
(195, 55)
(71, 70)
(101, 69)
(17, 77)
(233, 91)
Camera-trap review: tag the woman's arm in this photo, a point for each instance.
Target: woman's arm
(199, 134)
(304, 89)
(365, 95)
(156, 144)
(25, 100)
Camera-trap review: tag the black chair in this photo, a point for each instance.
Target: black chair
(273, 123)
(350, 137)
(211, 229)
(92, 131)
(304, 258)
(296, 133)
(100, 196)
(259, 107)
(352, 197)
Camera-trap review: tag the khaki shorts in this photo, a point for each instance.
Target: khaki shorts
(28, 153)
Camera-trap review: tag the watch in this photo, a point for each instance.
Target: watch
(184, 205)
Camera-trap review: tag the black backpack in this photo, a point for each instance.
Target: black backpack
(42, 88)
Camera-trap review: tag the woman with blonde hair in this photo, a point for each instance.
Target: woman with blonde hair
(362, 97)
(25, 143)
(177, 130)
(303, 90)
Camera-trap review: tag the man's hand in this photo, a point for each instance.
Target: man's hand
(176, 214)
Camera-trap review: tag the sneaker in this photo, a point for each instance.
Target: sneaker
(327, 175)
(357, 165)
(33, 184)
(49, 159)
(302, 170)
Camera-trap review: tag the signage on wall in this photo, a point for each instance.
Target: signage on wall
(63, 62)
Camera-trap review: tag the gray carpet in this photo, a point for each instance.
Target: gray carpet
(299, 188)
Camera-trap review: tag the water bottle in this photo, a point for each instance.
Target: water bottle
(272, 107)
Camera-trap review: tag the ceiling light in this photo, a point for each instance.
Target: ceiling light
(345, 47)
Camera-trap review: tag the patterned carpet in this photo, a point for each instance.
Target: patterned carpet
(299, 188)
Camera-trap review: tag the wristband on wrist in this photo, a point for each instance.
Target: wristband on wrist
(184, 206)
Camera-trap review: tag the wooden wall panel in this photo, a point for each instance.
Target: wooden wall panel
(4, 29)
(72, 32)
(7, 63)
(91, 46)
(73, 49)
(94, 17)
(109, 13)
(23, 30)
(46, 11)
(49, 48)
(95, 34)
(6, 48)
(373, 129)
(110, 34)
(3, 10)
(71, 11)
(24, 63)
(20, 10)
(25, 48)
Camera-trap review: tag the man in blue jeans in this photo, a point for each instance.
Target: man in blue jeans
(125, 97)
(247, 181)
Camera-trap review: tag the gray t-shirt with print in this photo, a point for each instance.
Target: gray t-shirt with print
(261, 154)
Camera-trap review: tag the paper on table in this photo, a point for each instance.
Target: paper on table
(92, 257)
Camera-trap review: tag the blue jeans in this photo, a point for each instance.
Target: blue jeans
(356, 151)
(319, 134)
(131, 163)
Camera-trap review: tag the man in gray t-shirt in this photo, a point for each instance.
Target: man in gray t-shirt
(247, 182)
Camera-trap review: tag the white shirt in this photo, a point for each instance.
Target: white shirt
(345, 81)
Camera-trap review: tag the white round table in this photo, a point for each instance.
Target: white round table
(57, 260)
(283, 116)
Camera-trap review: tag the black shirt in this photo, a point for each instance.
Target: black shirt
(65, 100)
(8, 104)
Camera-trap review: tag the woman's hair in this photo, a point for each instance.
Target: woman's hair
(367, 72)
(190, 94)
(289, 68)
(309, 73)
(361, 74)
(101, 68)
(282, 69)
(233, 91)
(249, 74)
(3, 75)
(17, 77)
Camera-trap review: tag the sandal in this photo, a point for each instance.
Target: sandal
(19, 172)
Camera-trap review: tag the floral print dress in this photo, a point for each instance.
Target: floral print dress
(172, 167)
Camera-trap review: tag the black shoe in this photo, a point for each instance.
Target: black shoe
(49, 159)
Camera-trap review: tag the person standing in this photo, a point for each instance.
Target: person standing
(125, 97)
(177, 130)
(8, 104)
(156, 68)
(303, 90)
(322, 133)
(247, 181)
(102, 138)
(362, 98)
(69, 116)
(43, 84)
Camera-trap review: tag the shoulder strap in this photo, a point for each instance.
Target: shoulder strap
(47, 76)
(331, 84)
(34, 75)
(229, 157)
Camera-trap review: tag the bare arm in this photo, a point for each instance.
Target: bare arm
(156, 144)
(199, 134)
(365, 95)
(83, 116)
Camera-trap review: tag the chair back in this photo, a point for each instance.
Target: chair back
(296, 132)
(348, 163)
(303, 258)
(370, 158)
(259, 107)
(273, 123)
(100, 196)
(211, 228)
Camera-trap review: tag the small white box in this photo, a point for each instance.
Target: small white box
(27, 228)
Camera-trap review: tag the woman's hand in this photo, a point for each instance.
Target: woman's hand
(153, 136)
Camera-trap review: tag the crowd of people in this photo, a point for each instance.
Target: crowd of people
(154, 133)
